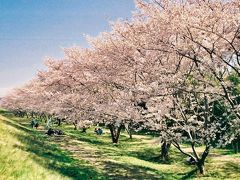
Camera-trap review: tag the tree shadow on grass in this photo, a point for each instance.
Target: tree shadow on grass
(107, 149)
(18, 126)
(151, 154)
(190, 174)
(231, 168)
(147, 154)
(6, 113)
(50, 156)
(128, 171)
(89, 139)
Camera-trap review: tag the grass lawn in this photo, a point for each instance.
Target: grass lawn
(30, 154)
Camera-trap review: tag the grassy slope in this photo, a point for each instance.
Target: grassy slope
(15, 162)
(29, 153)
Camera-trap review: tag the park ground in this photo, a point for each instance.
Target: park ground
(26, 153)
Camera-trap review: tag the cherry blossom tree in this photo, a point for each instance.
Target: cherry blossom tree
(167, 69)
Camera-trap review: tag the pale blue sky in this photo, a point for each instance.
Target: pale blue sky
(33, 29)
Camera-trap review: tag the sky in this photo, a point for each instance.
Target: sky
(31, 30)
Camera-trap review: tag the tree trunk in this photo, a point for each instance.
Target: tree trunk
(200, 166)
(42, 115)
(84, 130)
(236, 144)
(115, 133)
(32, 115)
(75, 126)
(165, 150)
(201, 162)
(75, 123)
(130, 134)
(128, 129)
(46, 118)
(195, 158)
(59, 121)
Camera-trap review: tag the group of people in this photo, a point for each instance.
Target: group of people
(35, 124)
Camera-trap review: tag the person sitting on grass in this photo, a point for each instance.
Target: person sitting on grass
(98, 131)
(52, 131)
(34, 123)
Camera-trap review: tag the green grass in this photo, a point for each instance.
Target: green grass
(30, 154)
(16, 163)
(27, 154)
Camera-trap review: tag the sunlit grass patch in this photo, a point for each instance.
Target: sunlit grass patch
(16, 163)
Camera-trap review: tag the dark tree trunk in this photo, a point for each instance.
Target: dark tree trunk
(201, 167)
(115, 132)
(165, 150)
(201, 162)
(32, 115)
(236, 144)
(59, 121)
(46, 118)
(130, 134)
(84, 130)
(129, 129)
(75, 123)
(42, 115)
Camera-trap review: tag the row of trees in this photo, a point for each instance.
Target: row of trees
(173, 68)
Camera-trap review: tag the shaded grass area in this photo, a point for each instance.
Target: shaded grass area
(89, 156)
(143, 151)
(52, 157)
(46, 155)
(16, 163)
(110, 156)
